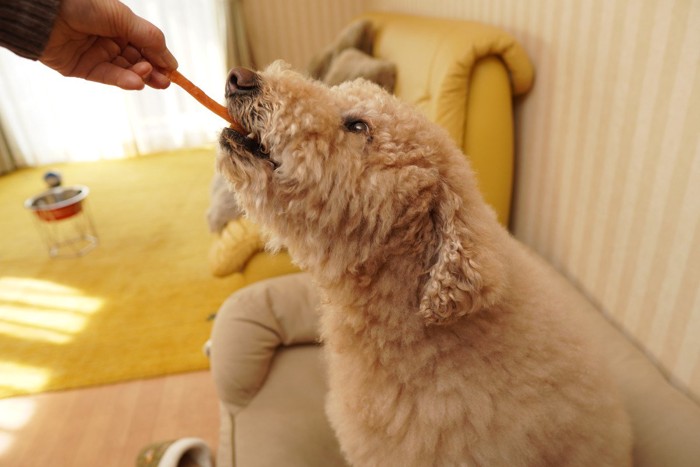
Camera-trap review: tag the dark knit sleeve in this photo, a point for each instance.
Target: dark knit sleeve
(25, 25)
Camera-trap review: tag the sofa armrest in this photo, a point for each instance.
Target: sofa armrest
(249, 328)
(285, 424)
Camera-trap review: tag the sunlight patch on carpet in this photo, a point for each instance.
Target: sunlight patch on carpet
(24, 378)
(41, 293)
(31, 333)
(40, 310)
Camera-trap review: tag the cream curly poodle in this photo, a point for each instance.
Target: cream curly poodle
(443, 346)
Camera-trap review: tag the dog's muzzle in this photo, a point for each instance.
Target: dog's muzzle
(243, 83)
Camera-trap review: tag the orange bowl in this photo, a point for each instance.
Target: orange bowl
(58, 203)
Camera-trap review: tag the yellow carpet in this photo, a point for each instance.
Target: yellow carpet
(137, 305)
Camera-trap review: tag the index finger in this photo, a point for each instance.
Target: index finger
(146, 38)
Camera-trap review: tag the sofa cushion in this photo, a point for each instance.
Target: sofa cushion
(357, 35)
(237, 242)
(351, 64)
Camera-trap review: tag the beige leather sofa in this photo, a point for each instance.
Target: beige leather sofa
(265, 357)
(269, 373)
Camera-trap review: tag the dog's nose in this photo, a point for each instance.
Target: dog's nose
(241, 80)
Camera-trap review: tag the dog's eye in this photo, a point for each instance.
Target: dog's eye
(357, 126)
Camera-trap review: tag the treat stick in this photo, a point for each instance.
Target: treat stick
(177, 78)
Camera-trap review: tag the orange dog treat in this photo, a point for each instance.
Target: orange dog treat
(177, 78)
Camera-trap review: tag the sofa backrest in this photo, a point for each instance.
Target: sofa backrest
(462, 75)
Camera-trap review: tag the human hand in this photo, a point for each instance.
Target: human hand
(104, 41)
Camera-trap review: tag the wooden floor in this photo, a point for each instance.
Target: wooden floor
(106, 426)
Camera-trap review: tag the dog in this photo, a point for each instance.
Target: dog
(444, 346)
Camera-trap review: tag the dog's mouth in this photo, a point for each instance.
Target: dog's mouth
(249, 143)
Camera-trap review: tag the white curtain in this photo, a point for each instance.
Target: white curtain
(48, 118)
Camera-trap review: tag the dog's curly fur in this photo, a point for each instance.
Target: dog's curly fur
(444, 347)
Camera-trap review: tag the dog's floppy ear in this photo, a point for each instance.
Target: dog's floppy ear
(467, 273)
